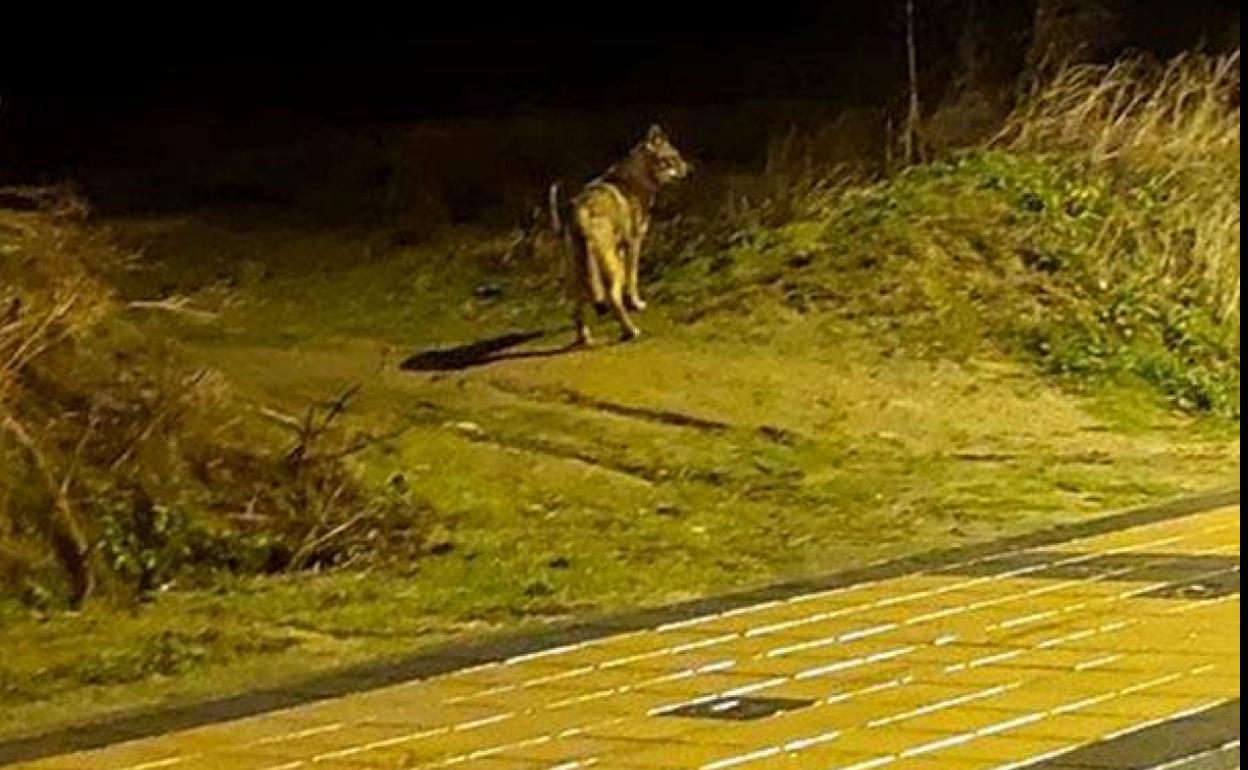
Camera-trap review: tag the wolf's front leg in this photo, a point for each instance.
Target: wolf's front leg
(632, 295)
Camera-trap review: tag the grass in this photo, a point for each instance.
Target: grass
(1114, 262)
(832, 373)
(552, 504)
(1173, 134)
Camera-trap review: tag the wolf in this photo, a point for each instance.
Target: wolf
(603, 228)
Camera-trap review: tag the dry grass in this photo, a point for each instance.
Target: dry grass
(124, 468)
(1177, 125)
(1184, 112)
(48, 296)
(1099, 232)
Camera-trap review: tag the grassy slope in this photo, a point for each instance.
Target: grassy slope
(881, 371)
(553, 500)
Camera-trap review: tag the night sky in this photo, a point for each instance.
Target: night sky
(407, 61)
(67, 73)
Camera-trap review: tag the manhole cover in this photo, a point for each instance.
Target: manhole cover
(736, 709)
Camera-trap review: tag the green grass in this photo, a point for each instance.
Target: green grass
(548, 503)
(992, 248)
(830, 375)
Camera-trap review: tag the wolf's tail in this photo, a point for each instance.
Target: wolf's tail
(556, 221)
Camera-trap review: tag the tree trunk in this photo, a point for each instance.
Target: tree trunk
(970, 55)
(912, 143)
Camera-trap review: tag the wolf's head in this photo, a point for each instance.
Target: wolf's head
(661, 157)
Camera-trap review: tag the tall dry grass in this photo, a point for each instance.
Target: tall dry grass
(1173, 127)
(47, 297)
(123, 469)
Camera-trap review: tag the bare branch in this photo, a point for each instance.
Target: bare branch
(281, 418)
(357, 447)
(157, 418)
(176, 304)
(298, 561)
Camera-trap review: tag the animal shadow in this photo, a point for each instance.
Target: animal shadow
(481, 353)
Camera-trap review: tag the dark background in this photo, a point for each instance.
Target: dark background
(411, 63)
(75, 84)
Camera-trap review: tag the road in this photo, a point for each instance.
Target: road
(1116, 647)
